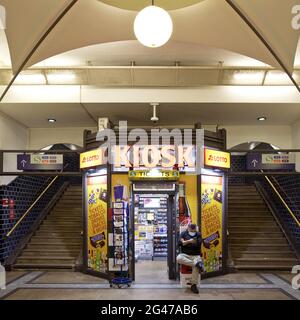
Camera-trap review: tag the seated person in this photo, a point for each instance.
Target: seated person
(190, 245)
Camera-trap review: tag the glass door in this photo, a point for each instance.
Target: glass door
(173, 229)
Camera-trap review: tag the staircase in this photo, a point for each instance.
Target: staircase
(256, 242)
(58, 241)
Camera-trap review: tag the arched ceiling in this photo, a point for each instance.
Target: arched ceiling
(211, 23)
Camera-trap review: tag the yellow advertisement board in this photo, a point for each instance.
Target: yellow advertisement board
(91, 159)
(215, 158)
(97, 223)
(212, 221)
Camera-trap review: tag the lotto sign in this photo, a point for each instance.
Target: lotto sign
(218, 159)
(91, 159)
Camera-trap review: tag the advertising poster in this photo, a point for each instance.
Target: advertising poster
(97, 223)
(211, 221)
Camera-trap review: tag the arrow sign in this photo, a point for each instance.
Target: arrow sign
(23, 163)
(254, 162)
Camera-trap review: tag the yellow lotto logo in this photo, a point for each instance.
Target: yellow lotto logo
(91, 159)
(219, 159)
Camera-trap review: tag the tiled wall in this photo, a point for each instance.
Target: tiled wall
(238, 163)
(289, 189)
(24, 191)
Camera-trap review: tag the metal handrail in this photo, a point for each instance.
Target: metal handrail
(33, 204)
(283, 201)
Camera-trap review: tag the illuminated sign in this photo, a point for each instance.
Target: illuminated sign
(91, 159)
(153, 174)
(152, 156)
(218, 159)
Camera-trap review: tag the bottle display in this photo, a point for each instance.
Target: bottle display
(151, 237)
(183, 206)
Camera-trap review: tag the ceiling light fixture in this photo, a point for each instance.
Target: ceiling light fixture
(30, 79)
(262, 118)
(61, 78)
(153, 26)
(51, 120)
(244, 77)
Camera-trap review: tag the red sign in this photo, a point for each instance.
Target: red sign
(5, 202)
(11, 210)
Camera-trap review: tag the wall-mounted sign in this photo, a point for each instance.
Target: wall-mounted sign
(258, 161)
(32, 162)
(153, 174)
(91, 159)
(217, 159)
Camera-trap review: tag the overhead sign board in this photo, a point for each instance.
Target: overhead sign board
(31, 162)
(91, 159)
(216, 159)
(154, 174)
(257, 161)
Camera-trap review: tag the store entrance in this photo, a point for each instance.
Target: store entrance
(154, 238)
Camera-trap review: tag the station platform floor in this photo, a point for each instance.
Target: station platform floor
(151, 284)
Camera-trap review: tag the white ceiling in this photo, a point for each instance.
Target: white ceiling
(74, 115)
(221, 28)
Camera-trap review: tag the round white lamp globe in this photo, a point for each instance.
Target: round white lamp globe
(153, 26)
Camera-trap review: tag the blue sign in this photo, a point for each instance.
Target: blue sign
(258, 161)
(254, 161)
(28, 162)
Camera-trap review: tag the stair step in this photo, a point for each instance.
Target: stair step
(255, 234)
(57, 234)
(68, 208)
(53, 258)
(252, 225)
(281, 260)
(251, 219)
(262, 241)
(262, 255)
(258, 228)
(58, 241)
(47, 245)
(258, 245)
(51, 254)
(51, 250)
(251, 201)
(247, 206)
(47, 265)
(60, 229)
(63, 222)
(275, 267)
(62, 218)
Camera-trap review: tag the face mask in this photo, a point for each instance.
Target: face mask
(192, 234)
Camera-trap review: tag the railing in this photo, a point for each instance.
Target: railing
(33, 204)
(283, 201)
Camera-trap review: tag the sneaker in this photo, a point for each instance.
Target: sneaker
(194, 288)
(200, 266)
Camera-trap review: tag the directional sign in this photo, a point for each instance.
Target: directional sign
(32, 162)
(258, 161)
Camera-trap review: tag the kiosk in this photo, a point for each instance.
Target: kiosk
(160, 204)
